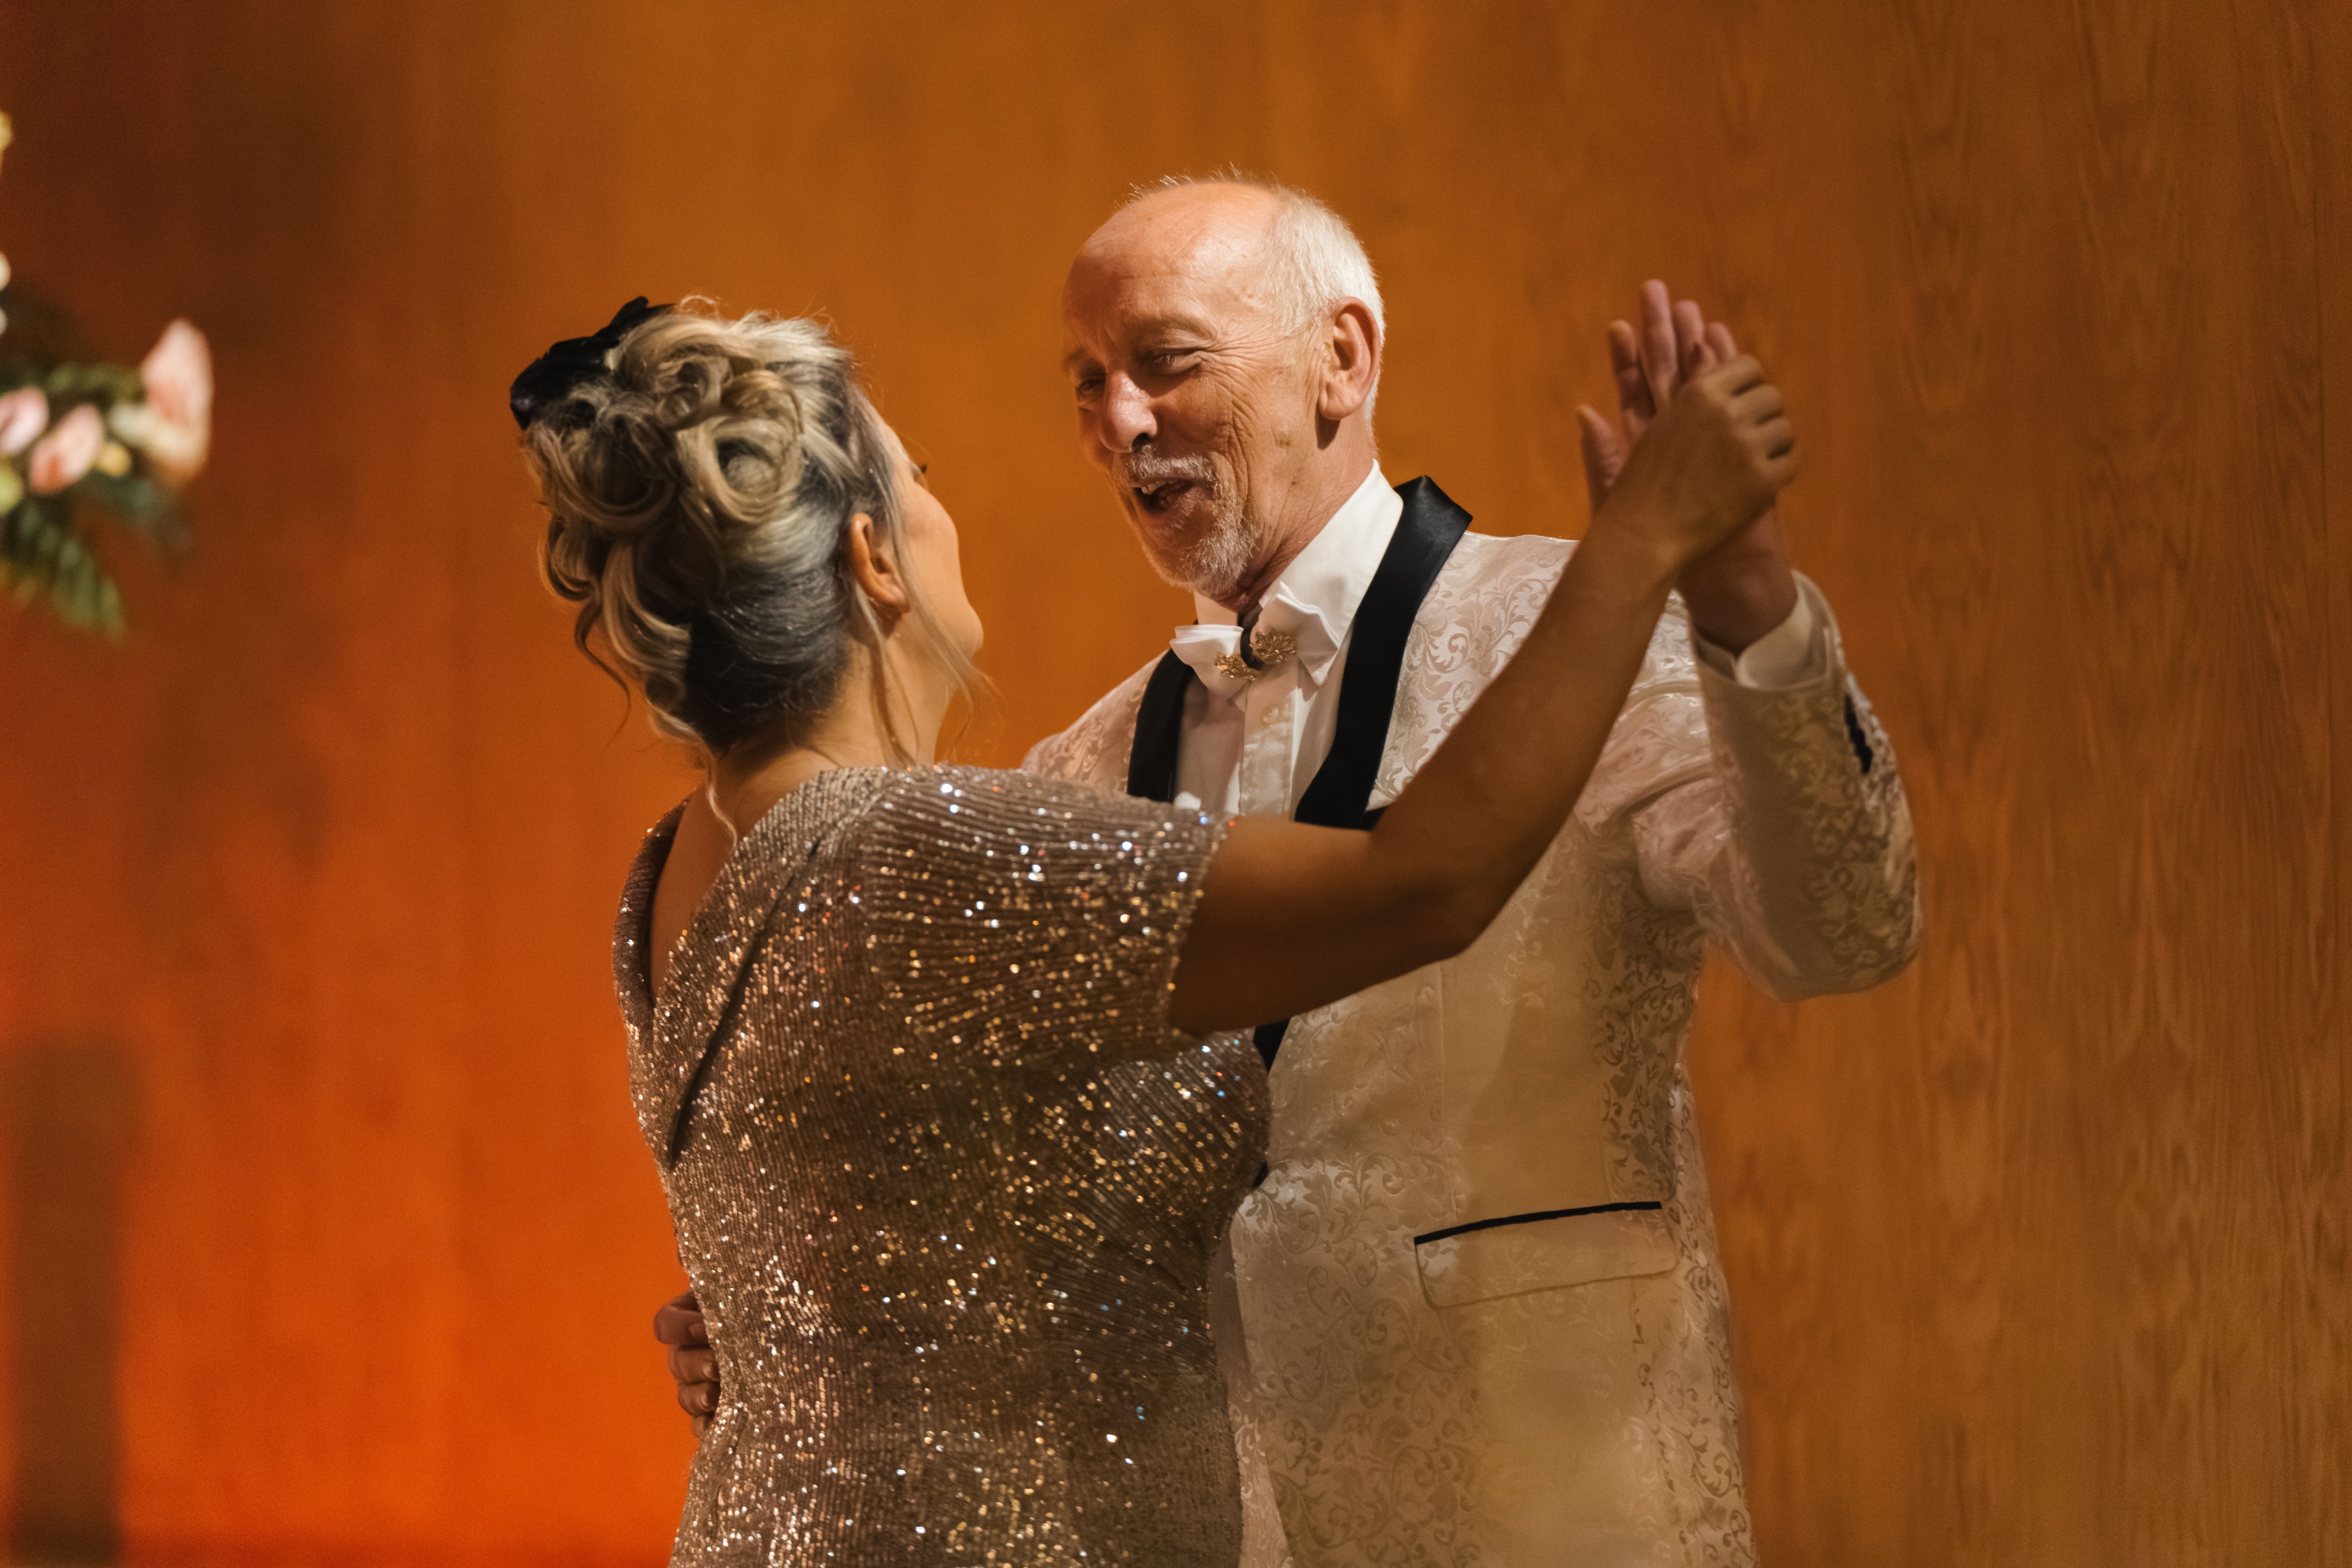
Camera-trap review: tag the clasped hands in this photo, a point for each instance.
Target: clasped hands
(1745, 586)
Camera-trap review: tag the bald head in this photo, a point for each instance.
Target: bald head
(1216, 235)
(1281, 247)
(1224, 342)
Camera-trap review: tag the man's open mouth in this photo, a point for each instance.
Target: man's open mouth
(1157, 497)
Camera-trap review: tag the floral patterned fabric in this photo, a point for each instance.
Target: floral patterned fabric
(1557, 1388)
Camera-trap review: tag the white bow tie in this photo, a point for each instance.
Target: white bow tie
(1286, 630)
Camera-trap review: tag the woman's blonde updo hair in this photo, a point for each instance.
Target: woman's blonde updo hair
(699, 498)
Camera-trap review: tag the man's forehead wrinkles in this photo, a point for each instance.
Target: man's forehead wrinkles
(1211, 248)
(1153, 322)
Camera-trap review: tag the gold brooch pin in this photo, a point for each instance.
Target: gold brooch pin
(1258, 652)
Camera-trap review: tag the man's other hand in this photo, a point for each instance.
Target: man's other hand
(678, 1325)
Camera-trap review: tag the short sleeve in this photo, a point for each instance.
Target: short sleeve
(1023, 916)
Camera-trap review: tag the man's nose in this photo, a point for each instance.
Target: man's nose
(1127, 418)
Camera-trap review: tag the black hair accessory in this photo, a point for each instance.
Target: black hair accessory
(549, 379)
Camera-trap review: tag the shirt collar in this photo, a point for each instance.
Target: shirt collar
(1329, 578)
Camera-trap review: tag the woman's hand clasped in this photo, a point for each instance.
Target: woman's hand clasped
(1708, 465)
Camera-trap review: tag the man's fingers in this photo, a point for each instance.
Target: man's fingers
(693, 1366)
(1624, 349)
(1625, 366)
(1661, 361)
(1718, 340)
(1690, 338)
(680, 1322)
(698, 1398)
(1602, 446)
(1604, 453)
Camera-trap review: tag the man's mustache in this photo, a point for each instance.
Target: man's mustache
(1141, 470)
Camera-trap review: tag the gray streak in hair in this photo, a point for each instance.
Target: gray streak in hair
(698, 504)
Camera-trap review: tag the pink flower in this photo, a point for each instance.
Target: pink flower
(178, 372)
(174, 425)
(24, 414)
(66, 453)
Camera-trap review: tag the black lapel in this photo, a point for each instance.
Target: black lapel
(1158, 727)
(1341, 793)
(1432, 526)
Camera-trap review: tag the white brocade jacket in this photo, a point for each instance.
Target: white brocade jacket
(1484, 1320)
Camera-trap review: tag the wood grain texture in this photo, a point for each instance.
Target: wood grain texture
(2038, 1254)
(2321, 1456)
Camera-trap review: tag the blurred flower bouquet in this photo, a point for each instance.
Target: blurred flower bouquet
(79, 439)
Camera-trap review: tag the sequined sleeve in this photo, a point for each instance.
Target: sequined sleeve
(1014, 915)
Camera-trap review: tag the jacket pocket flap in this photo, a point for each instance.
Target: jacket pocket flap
(1543, 1253)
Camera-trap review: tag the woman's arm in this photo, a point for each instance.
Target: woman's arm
(1293, 917)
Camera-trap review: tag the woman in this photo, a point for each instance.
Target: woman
(930, 1056)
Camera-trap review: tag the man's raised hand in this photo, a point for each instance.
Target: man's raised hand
(1745, 586)
(1673, 344)
(692, 1365)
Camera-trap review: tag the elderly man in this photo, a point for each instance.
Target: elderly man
(1473, 1314)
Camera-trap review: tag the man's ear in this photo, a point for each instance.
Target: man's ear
(877, 575)
(1351, 367)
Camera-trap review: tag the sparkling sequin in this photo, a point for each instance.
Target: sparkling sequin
(949, 1187)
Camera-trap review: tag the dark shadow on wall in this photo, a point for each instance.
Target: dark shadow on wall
(70, 1111)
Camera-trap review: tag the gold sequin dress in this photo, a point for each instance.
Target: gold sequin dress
(945, 1181)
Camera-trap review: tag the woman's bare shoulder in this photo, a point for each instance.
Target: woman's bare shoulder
(697, 852)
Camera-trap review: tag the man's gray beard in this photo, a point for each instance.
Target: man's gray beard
(1214, 566)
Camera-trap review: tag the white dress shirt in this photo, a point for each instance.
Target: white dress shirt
(1250, 749)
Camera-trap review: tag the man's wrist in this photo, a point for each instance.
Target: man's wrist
(1743, 587)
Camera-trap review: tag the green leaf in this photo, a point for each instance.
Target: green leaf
(32, 548)
(104, 385)
(110, 611)
(132, 497)
(84, 580)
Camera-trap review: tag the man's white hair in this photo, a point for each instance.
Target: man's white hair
(1318, 260)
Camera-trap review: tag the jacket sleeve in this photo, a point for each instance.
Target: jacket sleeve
(1793, 847)
(1094, 749)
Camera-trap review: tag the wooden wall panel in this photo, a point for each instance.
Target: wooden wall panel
(2320, 1458)
(2038, 1253)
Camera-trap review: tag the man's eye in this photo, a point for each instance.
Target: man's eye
(1090, 387)
(1174, 359)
